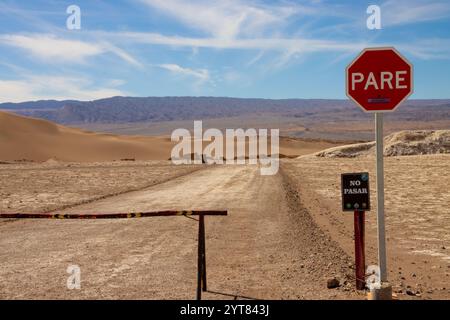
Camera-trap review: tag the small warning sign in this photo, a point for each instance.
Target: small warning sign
(355, 191)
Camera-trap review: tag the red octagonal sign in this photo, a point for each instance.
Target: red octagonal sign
(379, 79)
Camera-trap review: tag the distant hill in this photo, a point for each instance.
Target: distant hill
(35, 105)
(157, 109)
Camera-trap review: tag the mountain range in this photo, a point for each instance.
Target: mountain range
(158, 109)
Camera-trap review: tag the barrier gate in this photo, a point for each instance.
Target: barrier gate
(201, 262)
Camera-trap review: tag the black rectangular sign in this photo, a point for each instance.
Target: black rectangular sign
(355, 191)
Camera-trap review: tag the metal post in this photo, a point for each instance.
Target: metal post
(202, 226)
(201, 272)
(380, 197)
(199, 259)
(360, 259)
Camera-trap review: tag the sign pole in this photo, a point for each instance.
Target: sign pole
(384, 292)
(360, 259)
(380, 196)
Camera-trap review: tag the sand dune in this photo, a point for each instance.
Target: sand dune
(23, 138)
(40, 140)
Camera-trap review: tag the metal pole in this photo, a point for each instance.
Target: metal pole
(203, 243)
(380, 197)
(360, 259)
(199, 260)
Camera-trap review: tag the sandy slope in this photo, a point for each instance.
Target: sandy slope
(40, 140)
(268, 246)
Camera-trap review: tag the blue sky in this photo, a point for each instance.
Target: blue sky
(237, 48)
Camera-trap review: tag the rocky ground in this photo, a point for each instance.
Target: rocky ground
(285, 236)
(417, 212)
(268, 247)
(52, 185)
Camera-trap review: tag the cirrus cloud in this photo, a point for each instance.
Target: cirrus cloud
(44, 87)
(51, 48)
(200, 74)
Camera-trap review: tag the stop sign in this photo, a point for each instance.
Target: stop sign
(379, 79)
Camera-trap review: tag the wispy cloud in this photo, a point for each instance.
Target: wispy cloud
(224, 19)
(200, 74)
(35, 19)
(272, 44)
(34, 87)
(428, 49)
(51, 48)
(286, 47)
(121, 53)
(401, 12)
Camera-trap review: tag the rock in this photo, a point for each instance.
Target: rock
(332, 283)
(410, 292)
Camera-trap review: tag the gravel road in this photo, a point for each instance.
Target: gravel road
(268, 247)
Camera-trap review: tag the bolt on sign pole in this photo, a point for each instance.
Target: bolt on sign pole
(380, 196)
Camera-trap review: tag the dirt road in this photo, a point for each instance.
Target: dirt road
(267, 248)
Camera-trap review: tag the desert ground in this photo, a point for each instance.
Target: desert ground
(268, 246)
(417, 208)
(283, 238)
